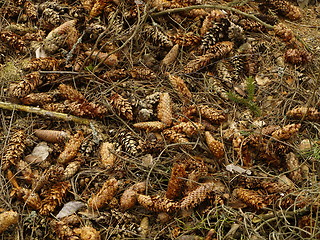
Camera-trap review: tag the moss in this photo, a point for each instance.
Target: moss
(11, 72)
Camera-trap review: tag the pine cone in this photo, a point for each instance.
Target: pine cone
(251, 25)
(14, 150)
(175, 137)
(189, 128)
(250, 197)
(8, 218)
(157, 204)
(216, 147)
(181, 88)
(63, 231)
(53, 197)
(214, 16)
(52, 136)
(84, 109)
(29, 83)
(129, 196)
(65, 35)
(44, 63)
(98, 7)
(50, 18)
(293, 167)
(14, 41)
(150, 126)
(171, 56)
(198, 63)
(297, 56)
(87, 233)
(107, 157)
(286, 132)
(141, 73)
(157, 37)
(285, 34)
(185, 39)
(71, 169)
(105, 194)
(50, 176)
(165, 109)
(31, 198)
(38, 99)
(71, 148)
(176, 181)
(217, 33)
(284, 8)
(306, 113)
(31, 10)
(70, 93)
(128, 142)
(198, 195)
(216, 52)
(121, 106)
(115, 75)
(211, 114)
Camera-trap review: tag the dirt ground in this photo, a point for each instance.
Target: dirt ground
(159, 119)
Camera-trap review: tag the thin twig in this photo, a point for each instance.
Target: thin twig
(141, 20)
(176, 10)
(43, 112)
(98, 40)
(59, 72)
(69, 55)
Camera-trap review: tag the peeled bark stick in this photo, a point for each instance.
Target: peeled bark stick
(45, 113)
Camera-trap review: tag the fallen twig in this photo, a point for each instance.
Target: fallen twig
(43, 112)
(140, 21)
(175, 10)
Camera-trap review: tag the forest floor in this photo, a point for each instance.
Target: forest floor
(159, 120)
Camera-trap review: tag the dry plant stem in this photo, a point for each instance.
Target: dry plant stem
(267, 218)
(42, 112)
(141, 20)
(175, 10)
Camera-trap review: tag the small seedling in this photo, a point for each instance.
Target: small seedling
(249, 101)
